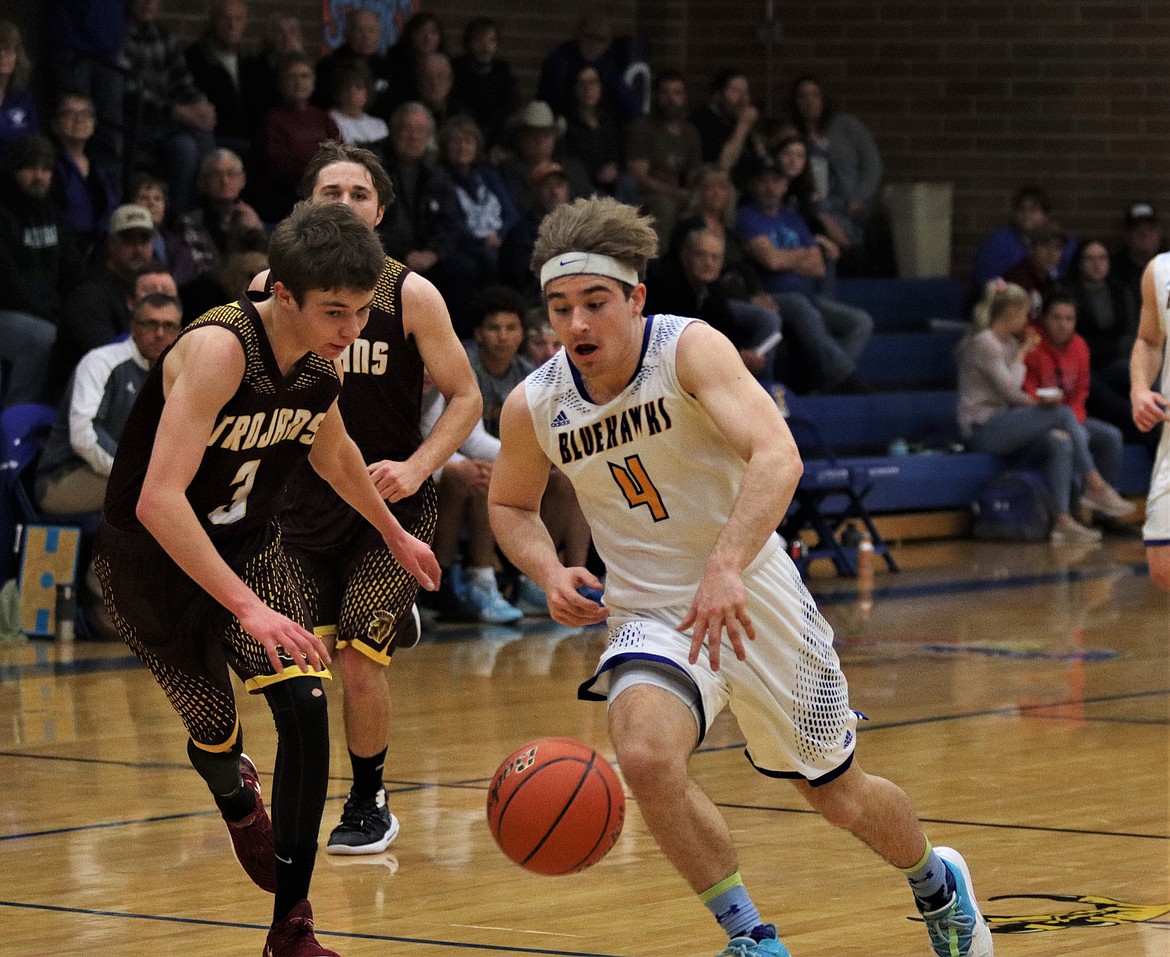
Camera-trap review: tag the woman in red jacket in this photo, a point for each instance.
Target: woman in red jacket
(1061, 362)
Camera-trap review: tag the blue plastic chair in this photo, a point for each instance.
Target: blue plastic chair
(827, 479)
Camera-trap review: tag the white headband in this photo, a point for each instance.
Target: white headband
(594, 264)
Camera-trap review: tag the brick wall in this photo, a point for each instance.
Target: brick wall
(1072, 95)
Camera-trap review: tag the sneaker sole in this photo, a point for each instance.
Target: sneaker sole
(375, 848)
(1122, 509)
(981, 944)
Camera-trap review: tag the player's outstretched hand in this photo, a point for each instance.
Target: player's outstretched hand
(416, 557)
(567, 605)
(1149, 408)
(720, 605)
(275, 631)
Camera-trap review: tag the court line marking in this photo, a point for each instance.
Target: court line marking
(1044, 829)
(317, 929)
(832, 597)
(957, 587)
(481, 783)
(1089, 719)
(161, 818)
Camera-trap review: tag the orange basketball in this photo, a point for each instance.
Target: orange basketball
(555, 806)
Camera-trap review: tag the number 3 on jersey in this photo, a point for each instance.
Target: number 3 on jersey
(245, 479)
(637, 487)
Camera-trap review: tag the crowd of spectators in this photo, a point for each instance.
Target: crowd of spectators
(186, 155)
(757, 215)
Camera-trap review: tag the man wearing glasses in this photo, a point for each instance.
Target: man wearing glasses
(75, 465)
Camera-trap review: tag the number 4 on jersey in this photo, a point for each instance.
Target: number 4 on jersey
(637, 487)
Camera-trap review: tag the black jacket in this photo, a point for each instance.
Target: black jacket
(39, 254)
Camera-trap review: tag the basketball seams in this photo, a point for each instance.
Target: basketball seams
(604, 832)
(578, 824)
(568, 801)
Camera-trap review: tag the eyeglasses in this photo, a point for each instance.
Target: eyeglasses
(156, 325)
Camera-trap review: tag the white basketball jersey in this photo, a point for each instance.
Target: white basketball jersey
(1162, 296)
(1156, 530)
(654, 476)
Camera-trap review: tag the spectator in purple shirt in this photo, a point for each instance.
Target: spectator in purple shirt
(830, 334)
(83, 187)
(85, 50)
(1007, 245)
(18, 110)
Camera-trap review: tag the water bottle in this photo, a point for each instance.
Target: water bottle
(866, 560)
(66, 612)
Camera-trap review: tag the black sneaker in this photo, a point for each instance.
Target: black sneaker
(367, 826)
(447, 604)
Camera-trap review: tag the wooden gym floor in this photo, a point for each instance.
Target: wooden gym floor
(1020, 694)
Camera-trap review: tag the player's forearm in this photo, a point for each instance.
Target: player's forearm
(459, 418)
(764, 496)
(345, 470)
(523, 537)
(1145, 362)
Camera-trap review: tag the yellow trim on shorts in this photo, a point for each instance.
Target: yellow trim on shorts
(325, 631)
(260, 682)
(225, 746)
(378, 657)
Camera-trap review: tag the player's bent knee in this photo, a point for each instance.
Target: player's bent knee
(646, 765)
(358, 669)
(840, 802)
(303, 696)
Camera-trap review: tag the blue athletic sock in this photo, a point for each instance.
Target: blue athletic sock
(931, 881)
(733, 908)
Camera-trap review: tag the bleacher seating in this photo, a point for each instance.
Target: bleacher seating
(901, 305)
(911, 359)
(917, 325)
(937, 474)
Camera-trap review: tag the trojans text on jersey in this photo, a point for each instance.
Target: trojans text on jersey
(365, 357)
(241, 432)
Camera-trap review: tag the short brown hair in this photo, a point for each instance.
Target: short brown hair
(598, 225)
(324, 246)
(331, 151)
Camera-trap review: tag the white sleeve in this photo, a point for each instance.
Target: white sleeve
(481, 444)
(431, 412)
(89, 386)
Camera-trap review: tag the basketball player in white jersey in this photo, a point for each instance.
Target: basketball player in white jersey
(684, 468)
(1151, 354)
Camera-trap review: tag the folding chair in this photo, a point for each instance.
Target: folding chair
(22, 430)
(826, 479)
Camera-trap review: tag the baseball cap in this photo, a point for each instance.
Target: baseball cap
(543, 170)
(131, 218)
(1140, 212)
(538, 115)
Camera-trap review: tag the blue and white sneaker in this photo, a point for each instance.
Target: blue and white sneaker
(529, 598)
(959, 930)
(768, 946)
(492, 607)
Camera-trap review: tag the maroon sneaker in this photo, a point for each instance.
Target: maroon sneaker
(252, 836)
(293, 936)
